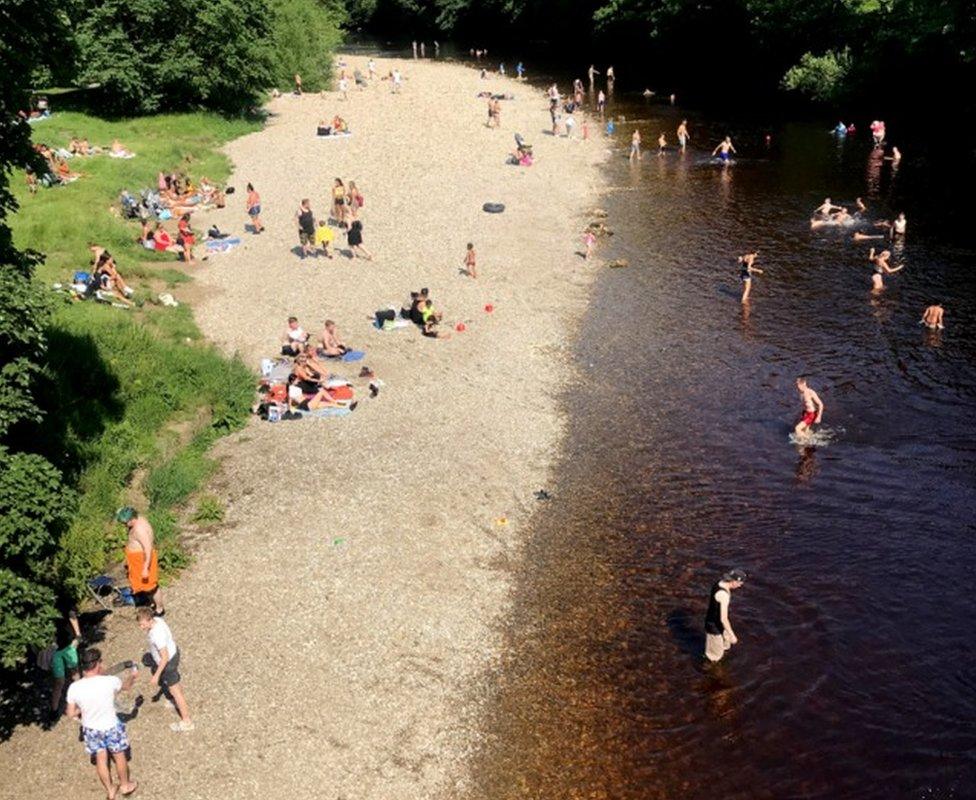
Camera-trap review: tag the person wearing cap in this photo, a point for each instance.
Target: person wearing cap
(91, 699)
(719, 635)
(141, 558)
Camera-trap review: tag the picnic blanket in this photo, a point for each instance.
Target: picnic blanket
(331, 411)
(393, 325)
(222, 245)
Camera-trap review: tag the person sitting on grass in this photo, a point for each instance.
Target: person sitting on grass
(106, 275)
(118, 151)
(332, 345)
(324, 237)
(294, 339)
(163, 242)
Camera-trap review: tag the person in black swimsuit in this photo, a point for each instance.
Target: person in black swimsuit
(306, 228)
(746, 271)
(719, 635)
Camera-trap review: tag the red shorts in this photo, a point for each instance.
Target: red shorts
(808, 418)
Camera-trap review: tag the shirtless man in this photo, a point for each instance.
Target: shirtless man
(813, 409)
(141, 557)
(746, 271)
(899, 226)
(683, 136)
(827, 208)
(662, 144)
(635, 141)
(932, 317)
(592, 72)
(611, 77)
(331, 343)
(841, 217)
(724, 150)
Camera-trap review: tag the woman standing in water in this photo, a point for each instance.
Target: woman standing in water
(746, 271)
(881, 268)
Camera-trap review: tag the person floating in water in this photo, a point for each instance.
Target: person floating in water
(826, 208)
(881, 268)
(724, 150)
(746, 271)
(932, 317)
(683, 136)
(813, 409)
(719, 635)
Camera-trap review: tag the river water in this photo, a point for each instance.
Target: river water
(854, 676)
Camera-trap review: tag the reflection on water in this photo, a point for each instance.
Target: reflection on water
(853, 677)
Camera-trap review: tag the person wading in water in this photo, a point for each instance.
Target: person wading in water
(719, 635)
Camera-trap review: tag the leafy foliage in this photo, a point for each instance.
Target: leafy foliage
(819, 77)
(303, 33)
(146, 56)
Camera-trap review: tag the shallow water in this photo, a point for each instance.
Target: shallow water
(854, 676)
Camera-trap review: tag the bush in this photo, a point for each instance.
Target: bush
(820, 77)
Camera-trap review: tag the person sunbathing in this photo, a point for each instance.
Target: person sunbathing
(186, 239)
(339, 125)
(321, 398)
(294, 339)
(118, 151)
(107, 277)
(63, 172)
(332, 345)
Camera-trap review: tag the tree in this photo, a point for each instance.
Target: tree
(304, 33)
(145, 56)
(33, 503)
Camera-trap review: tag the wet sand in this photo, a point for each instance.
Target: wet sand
(337, 629)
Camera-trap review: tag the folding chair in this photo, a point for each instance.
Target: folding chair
(107, 593)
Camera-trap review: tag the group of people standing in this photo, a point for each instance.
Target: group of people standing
(91, 695)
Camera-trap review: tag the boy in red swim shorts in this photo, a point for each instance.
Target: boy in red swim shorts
(813, 408)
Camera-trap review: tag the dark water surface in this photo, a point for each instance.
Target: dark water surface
(855, 676)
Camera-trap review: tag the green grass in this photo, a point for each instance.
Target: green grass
(127, 392)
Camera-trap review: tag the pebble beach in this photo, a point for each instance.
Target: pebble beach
(337, 628)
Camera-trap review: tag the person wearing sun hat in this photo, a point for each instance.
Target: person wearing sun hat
(719, 635)
(141, 558)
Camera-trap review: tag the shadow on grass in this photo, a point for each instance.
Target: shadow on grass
(79, 398)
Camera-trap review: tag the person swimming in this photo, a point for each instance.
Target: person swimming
(826, 208)
(841, 217)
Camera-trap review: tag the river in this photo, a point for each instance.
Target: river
(854, 674)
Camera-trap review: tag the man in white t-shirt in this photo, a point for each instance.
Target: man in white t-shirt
(164, 659)
(91, 699)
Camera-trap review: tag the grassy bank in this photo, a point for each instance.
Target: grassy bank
(128, 393)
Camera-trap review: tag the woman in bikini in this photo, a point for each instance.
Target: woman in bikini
(339, 202)
(186, 238)
(881, 268)
(354, 200)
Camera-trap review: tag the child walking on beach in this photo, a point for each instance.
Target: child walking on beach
(470, 261)
(589, 240)
(253, 204)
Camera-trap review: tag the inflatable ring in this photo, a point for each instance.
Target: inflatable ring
(494, 208)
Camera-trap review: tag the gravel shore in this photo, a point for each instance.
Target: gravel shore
(335, 629)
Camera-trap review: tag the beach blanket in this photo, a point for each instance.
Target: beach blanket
(353, 355)
(345, 135)
(393, 325)
(331, 411)
(222, 245)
